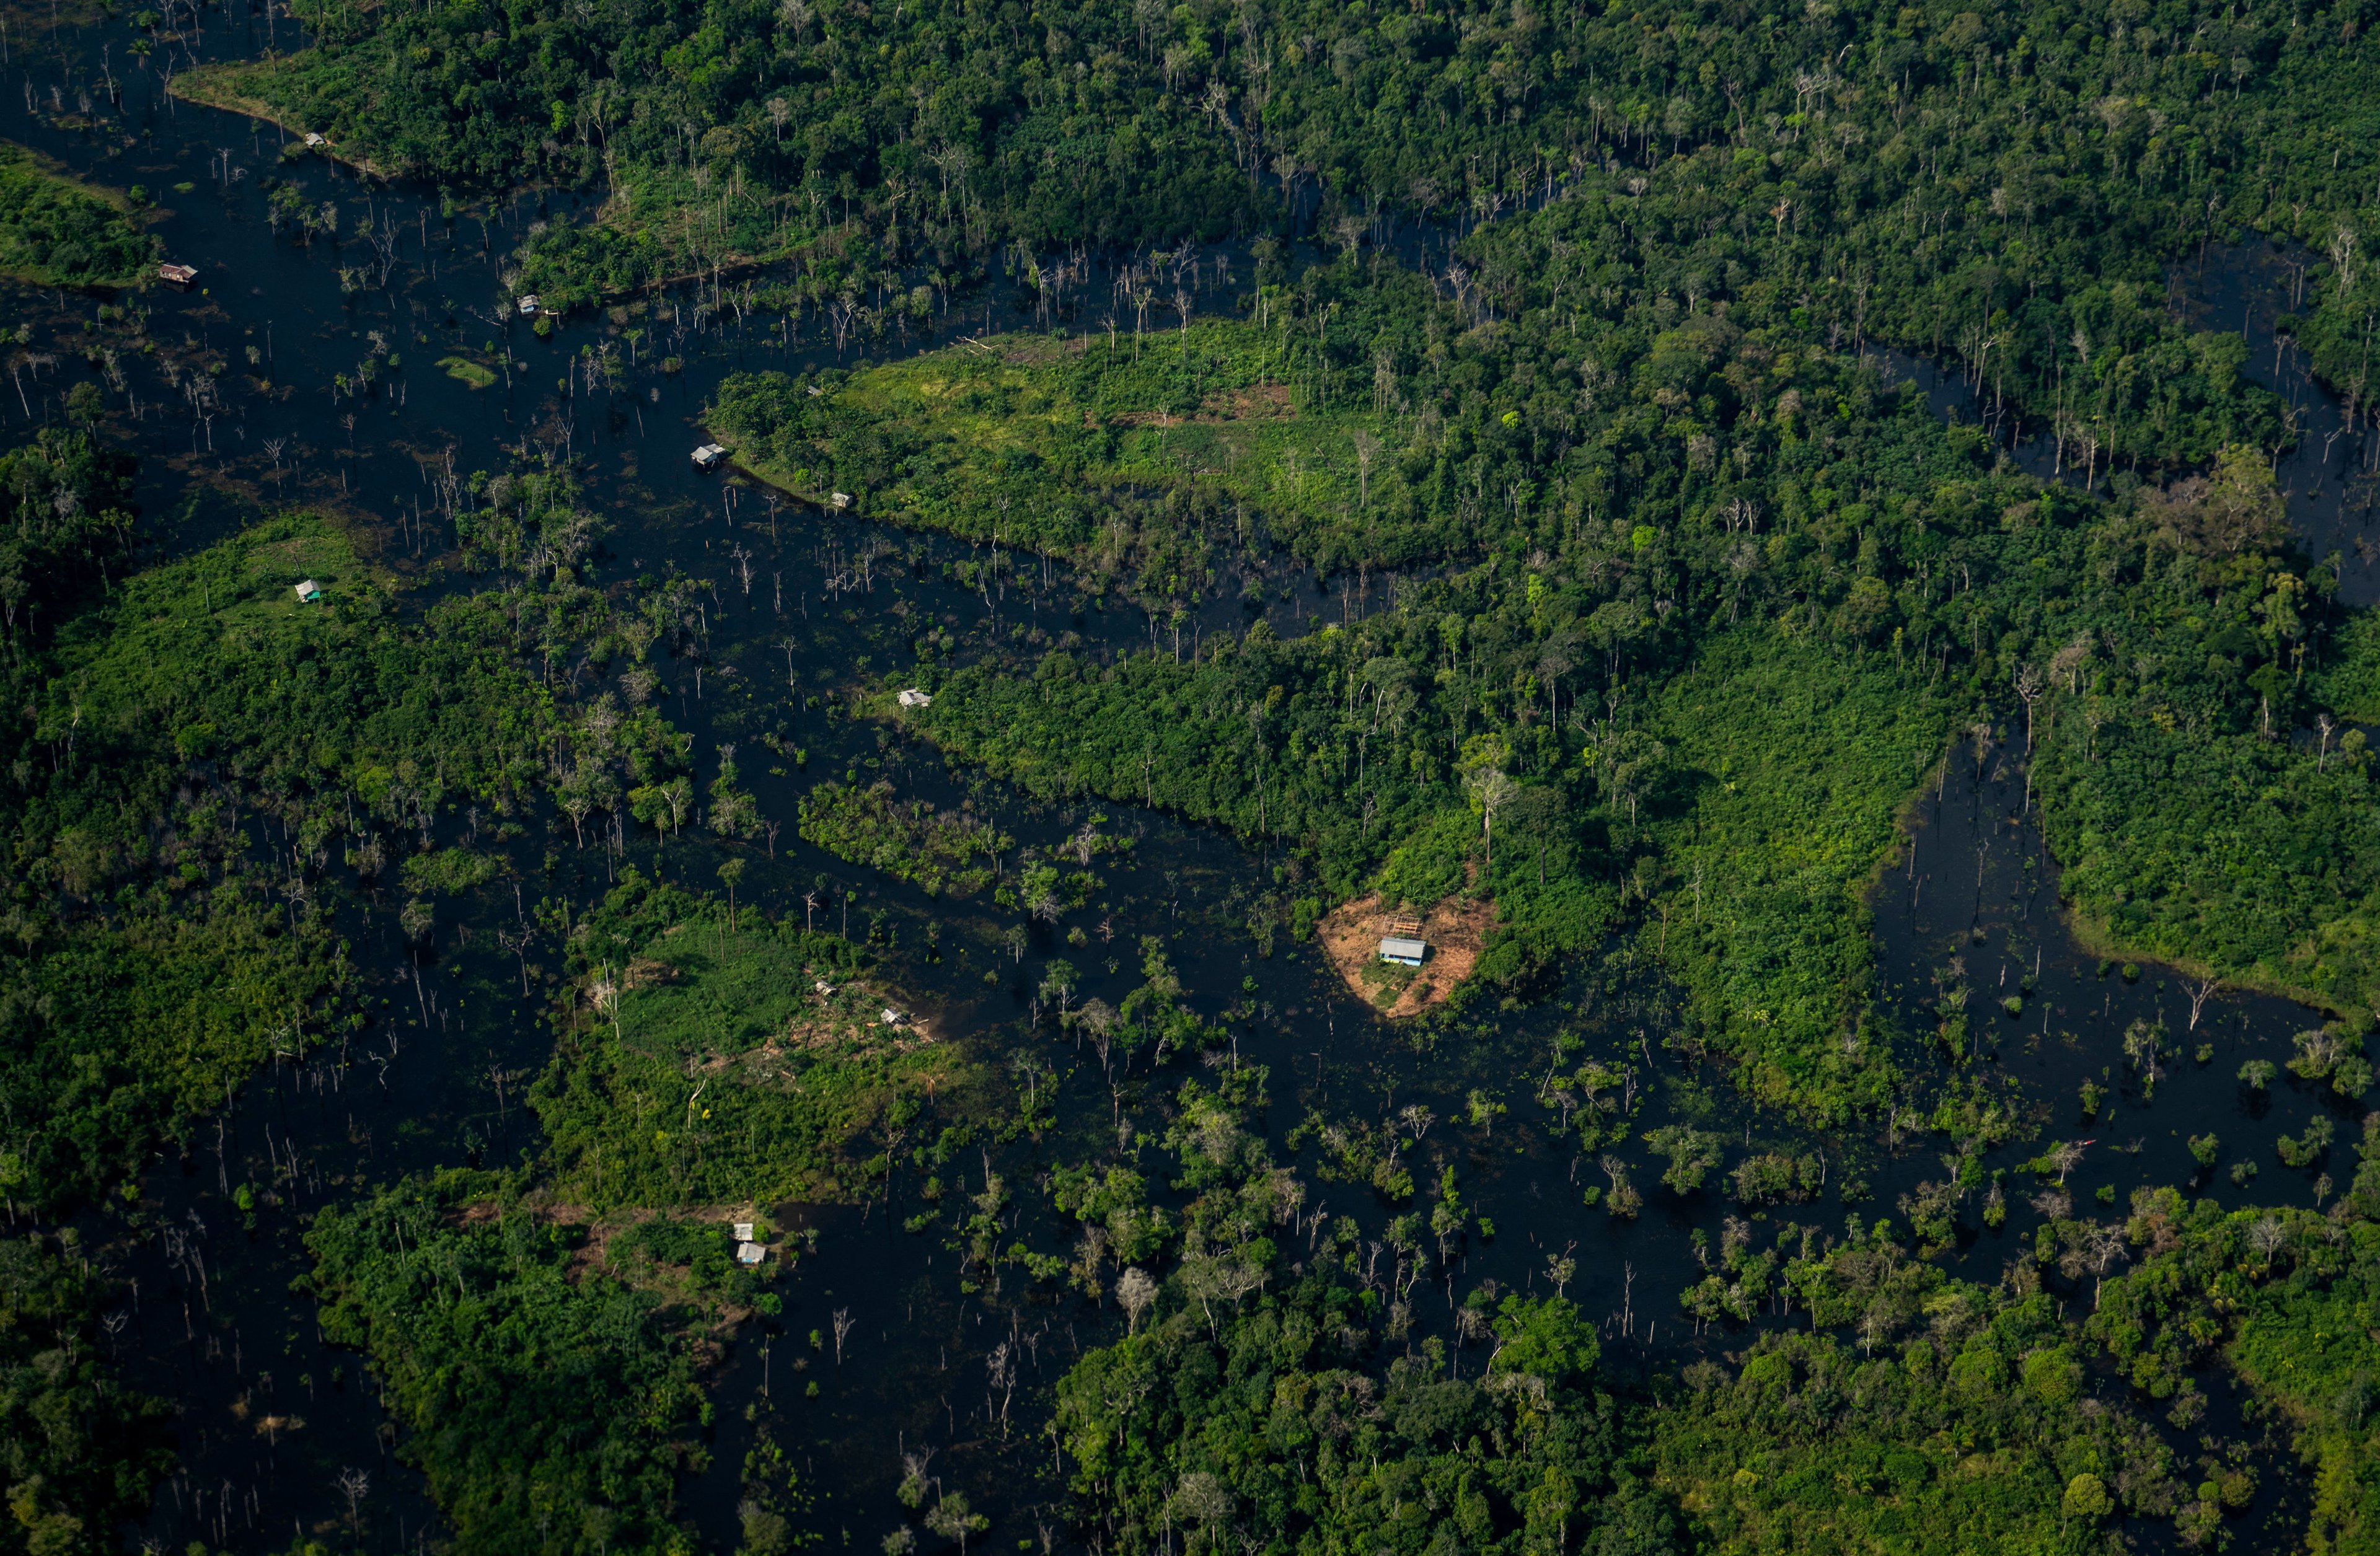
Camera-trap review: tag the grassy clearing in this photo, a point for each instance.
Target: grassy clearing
(1018, 437)
(466, 370)
(741, 1064)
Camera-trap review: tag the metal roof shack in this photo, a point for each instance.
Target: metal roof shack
(1404, 950)
(309, 591)
(708, 456)
(913, 697)
(177, 275)
(528, 305)
(750, 1253)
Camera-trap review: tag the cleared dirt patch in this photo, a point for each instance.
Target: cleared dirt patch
(1269, 402)
(1455, 928)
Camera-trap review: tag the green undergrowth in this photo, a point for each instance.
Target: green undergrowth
(1276, 1397)
(183, 707)
(55, 231)
(2192, 764)
(1253, 737)
(941, 851)
(2288, 1298)
(1978, 1437)
(716, 1070)
(80, 1454)
(173, 717)
(177, 721)
(136, 1023)
(1110, 452)
(1789, 761)
(1757, 795)
(2018, 220)
(1277, 1419)
(544, 1372)
(2180, 679)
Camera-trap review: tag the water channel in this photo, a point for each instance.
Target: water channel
(210, 1320)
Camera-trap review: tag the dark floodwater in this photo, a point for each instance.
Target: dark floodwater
(2329, 475)
(271, 1416)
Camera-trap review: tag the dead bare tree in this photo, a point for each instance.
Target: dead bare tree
(2198, 989)
(1135, 1292)
(1001, 1365)
(353, 1485)
(2029, 687)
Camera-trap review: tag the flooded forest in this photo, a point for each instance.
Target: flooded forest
(1260, 777)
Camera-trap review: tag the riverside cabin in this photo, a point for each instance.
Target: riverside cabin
(309, 591)
(180, 277)
(708, 456)
(528, 305)
(1402, 945)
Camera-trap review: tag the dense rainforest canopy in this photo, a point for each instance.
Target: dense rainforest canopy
(1504, 435)
(2001, 189)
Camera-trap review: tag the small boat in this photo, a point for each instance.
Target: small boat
(181, 276)
(708, 455)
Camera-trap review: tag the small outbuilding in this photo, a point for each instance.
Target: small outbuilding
(179, 276)
(743, 1231)
(750, 1253)
(1404, 950)
(839, 500)
(708, 455)
(314, 142)
(894, 1019)
(309, 591)
(528, 305)
(913, 697)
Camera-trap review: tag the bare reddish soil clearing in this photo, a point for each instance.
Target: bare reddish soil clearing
(1455, 928)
